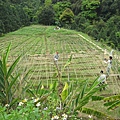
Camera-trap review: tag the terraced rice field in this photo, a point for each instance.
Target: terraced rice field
(38, 44)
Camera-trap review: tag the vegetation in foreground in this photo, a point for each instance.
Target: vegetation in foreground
(60, 100)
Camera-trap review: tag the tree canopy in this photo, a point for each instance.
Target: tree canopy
(98, 18)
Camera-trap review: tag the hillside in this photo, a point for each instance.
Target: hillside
(38, 44)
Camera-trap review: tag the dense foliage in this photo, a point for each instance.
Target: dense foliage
(98, 18)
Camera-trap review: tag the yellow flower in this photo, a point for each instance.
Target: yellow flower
(25, 100)
(7, 65)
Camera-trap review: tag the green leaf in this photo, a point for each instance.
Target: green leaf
(112, 98)
(64, 93)
(110, 103)
(31, 92)
(2, 83)
(83, 90)
(114, 105)
(96, 113)
(97, 98)
(12, 67)
(12, 83)
(53, 86)
(68, 62)
(4, 67)
(2, 96)
(7, 52)
(13, 102)
(78, 96)
(38, 88)
(5, 58)
(26, 75)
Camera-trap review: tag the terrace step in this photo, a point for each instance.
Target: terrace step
(63, 76)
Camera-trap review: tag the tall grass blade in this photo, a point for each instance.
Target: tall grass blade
(38, 88)
(12, 83)
(11, 69)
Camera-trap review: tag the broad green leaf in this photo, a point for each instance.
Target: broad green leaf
(54, 85)
(64, 93)
(51, 86)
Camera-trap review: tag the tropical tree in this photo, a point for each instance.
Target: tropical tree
(59, 7)
(46, 16)
(67, 17)
(89, 9)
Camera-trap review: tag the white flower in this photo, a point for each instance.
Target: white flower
(20, 103)
(42, 87)
(57, 108)
(64, 119)
(7, 105)
(64, 116)
(90, 116)
(38, 104)
(45, 108)
(32, 98)
(35, 100)
(55, 117)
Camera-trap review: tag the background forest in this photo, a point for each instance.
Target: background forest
(98, 18)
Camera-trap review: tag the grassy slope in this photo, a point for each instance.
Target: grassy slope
(38, 44)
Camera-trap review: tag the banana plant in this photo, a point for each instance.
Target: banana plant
(7, 80)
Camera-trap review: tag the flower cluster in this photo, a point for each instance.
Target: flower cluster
(64, 117)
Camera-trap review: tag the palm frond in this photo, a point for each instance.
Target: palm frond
(96, 113)
(112, 98)
(97, 98)
(114, 105)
